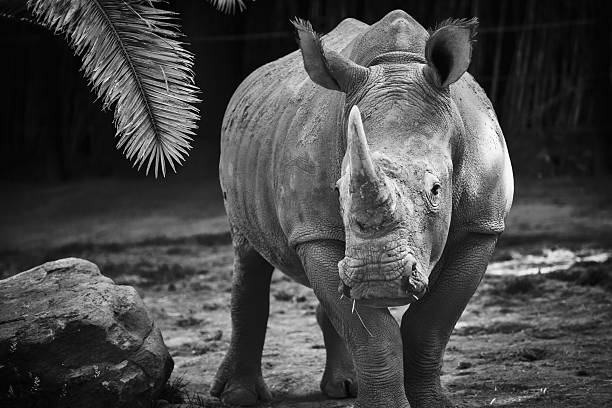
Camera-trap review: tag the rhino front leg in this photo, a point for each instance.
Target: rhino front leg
(339, 379)
(239, 380)
(374, 345)
(428, 323)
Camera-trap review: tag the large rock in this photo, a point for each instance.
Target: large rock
(71, 336)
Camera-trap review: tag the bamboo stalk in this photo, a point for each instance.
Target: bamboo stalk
(498, 48)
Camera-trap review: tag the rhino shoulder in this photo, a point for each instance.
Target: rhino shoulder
(483, 181)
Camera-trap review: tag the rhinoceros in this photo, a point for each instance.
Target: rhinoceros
(372, 169)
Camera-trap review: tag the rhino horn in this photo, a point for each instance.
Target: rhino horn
(371, 198)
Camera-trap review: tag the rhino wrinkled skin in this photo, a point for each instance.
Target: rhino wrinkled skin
(370, 167)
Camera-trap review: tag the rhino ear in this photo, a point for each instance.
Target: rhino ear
(449, 50)
(326, 68)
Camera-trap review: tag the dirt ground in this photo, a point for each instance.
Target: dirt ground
(538, 332)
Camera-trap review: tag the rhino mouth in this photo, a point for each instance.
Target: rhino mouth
(380, 302)
(378, 284)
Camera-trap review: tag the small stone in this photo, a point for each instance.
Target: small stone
(216, 336)
(464, 365)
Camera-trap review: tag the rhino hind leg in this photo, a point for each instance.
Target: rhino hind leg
(339, 379)
(239, 380)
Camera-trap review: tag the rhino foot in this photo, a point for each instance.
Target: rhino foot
(339, 384)
(339, 379)
(245, 394)
(427, 397)
(241, 391)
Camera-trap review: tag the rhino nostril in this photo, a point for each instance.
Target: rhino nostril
(406, 283)
(348, 388)
(414, 267)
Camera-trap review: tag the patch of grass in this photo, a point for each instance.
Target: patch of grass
(519, 285)
(283, 296)
(196, 400)
(174, 391)
(587, 274)
(530, 354)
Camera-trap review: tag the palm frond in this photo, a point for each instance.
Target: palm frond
(228, 6)
(133, 58)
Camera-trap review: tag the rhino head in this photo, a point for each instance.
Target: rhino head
(396, 184)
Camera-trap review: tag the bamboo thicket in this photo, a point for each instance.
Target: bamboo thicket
(544, 64)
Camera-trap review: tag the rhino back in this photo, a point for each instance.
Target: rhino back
(280, 155)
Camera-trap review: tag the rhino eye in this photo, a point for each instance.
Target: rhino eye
(432, 191)
(434, 196)
(435, 190)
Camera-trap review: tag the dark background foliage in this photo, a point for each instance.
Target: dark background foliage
(544, 64)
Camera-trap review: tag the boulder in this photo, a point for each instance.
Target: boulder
(71, 337)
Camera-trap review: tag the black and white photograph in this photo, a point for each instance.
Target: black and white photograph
(305, 204)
